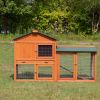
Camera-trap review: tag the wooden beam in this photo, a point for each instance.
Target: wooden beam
(75, 68)
(57, 67)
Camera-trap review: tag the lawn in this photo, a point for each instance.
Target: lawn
(11, 90)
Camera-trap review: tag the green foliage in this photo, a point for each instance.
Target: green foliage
(18, 17)
(23, 15)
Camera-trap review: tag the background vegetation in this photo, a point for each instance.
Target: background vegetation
(51, 16)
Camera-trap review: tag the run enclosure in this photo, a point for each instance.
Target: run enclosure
(77, 63)
(37, 58)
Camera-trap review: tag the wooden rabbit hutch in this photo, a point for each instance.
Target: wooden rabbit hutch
(37, 58)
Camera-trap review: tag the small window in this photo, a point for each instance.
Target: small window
(44, 50)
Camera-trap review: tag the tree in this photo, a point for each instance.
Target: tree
(14, 11)
(95, 15)
(88, 14)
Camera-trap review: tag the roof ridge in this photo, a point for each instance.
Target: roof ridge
(34, 32)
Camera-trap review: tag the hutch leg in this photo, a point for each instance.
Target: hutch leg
(93, 67)
(75, 66)
(58, 66)
(35, 71)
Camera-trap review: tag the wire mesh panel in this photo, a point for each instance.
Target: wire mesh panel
(44, 50)
(44, 72)
(66, 66)
(84, 66)
(25, 71)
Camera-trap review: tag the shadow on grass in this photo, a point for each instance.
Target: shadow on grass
(12, 76)
(26, 75)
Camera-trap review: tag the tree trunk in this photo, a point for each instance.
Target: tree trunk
(98, 22)
(95, 23)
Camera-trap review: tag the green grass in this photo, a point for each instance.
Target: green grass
(11, 90)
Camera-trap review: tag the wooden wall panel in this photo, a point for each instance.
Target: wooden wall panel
(25, 51)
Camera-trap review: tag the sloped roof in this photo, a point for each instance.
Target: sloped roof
(76, 49)
(37, 33)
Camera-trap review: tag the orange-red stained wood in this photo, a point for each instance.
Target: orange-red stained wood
(75, 66)
(26, 52)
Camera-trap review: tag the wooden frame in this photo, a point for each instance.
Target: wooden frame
(53, 49)
(55, 70)
(45, 78)
(73, 70)
(29, 54)
(92, 66)
(15, 72)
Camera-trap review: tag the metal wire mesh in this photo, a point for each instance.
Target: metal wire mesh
(66, 66)
(25, 71)
(44, 71)
(45, 50)
(84, 66)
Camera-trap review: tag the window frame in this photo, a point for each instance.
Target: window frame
(46, 57)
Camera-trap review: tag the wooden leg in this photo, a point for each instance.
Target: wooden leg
(35, 71)
(57, 67)
(93, 65)
(75, 72)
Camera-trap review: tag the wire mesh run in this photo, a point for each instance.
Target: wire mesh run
(84, 66)
(44, 72)
(25, 71)
(66, 66)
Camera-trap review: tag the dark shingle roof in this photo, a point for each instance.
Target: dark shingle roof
(35, 33)
(76, 49)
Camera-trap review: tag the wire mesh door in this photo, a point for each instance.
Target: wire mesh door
(66, 66)
(45, 72)
(85, 67)
(25, 71)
